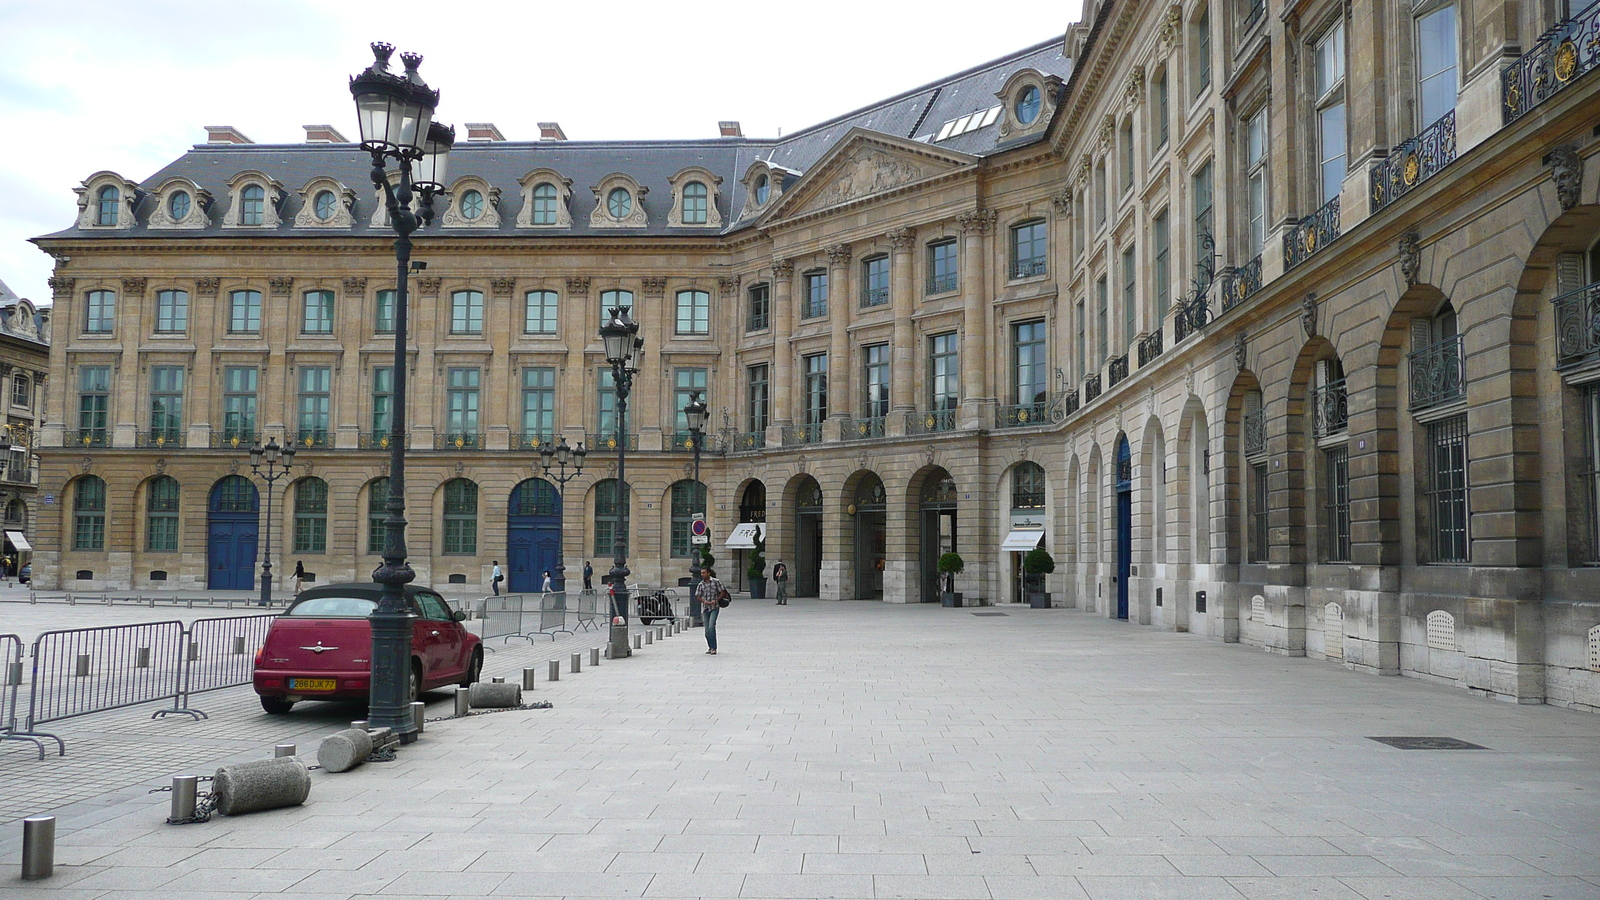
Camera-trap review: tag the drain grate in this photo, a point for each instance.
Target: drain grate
(992, 614)
(1427, 743)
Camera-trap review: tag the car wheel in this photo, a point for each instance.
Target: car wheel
(474, 669)
(416, 682)
(276, 706)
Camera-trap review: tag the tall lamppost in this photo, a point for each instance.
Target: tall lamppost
(695, 414)
(395, 113)
(276, 461)
(624, 351)
(561, 454)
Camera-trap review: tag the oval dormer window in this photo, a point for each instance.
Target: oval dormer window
(619, 203)
(178, 205)
(322, 206)
(763, 190)
(1028, 103)
(471, 205)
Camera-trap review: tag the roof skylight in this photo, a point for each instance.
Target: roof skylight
(971, 122)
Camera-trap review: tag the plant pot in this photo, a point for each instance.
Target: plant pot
(758, 588)
(950, 599)
(1038, 600)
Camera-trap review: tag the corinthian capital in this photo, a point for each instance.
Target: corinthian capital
(977, 221)
(902, 239)
(839, 254)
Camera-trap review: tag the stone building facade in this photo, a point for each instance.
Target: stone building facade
(24, 374)
(1272, 321)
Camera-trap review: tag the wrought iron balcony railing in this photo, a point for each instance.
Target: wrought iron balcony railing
(1047, 411)
(1330, 409)
(1091, 387)
(1412, 162)
(606, 442)
(458, 440)
(166, 437)
(530, 440)
(710, 442)
(377, 440)
(1311, 234)
(930, 421)
(1557, 59)
(1577, 325)
(233, 439)
(1240, 282)
(1069, 403)
(1029, 267)
(746, 441)
(93, 437)
(307, 440)
(1117, 370)
(864, 428)
(796, 435)
(1255, 432)
(1438, 374)
(874, 296)
(943, 283)
(18, 475)
(1150, 348)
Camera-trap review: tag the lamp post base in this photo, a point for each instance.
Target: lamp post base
(619, 642)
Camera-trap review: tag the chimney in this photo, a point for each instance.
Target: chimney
(551, 131)
(483, 131)
(225, 134)
(324, 134)
(730, 129)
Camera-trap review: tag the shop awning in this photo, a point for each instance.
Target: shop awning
(743, 536)
(1022, 540)
(19, 541)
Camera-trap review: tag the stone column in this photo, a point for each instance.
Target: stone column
(502, 393)
(573, 403)
(130, 406)
(422, 390)
(352, 415)
(976, 398)
(62, 290)
(782, 381)
(902, 288)
(840, 401)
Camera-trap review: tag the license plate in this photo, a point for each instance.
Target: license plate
(312, 684)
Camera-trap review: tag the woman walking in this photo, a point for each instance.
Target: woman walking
(712, 596)
(299, 575)
(780, 577)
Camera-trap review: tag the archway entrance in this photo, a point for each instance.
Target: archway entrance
(938, 514)
(1124, 524)
(872, 536)
(231, 527)
(752, 511)
(808, 539)
(533, 535)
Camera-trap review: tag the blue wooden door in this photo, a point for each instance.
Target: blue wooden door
(1124, 525)
(231, 535)
(533, 535)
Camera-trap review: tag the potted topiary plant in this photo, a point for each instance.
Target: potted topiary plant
(1037, 564)
(756, 571)
(950, 565)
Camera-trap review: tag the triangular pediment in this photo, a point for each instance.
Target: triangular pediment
(863, 164)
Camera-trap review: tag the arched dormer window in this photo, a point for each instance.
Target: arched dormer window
(763, 184)
(1028, 100)
(695, 199)
(474, 203)
(546, 200)
(326, 203)
(180, 204)
(106, 200)
(254, 201)
(619, 203)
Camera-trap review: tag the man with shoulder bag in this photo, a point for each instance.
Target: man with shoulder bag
(713, 597)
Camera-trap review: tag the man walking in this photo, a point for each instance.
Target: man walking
(495, 578)
(588, 574)
(711, 595)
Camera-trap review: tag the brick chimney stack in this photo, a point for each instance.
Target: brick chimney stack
(730, 129)
(551, 131)
(483, 131)
(225, 134)
(324, 134)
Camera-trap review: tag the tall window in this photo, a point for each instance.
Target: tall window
(1256, 174)
(686, 383)
(166, 402)
(1258, 513)
(1162, 111)
(1027, 486)
(1447, 489)
(382, 401)
(252, 205)
(21, 391)
(1161, 237)
(875, 380)
(1436, 63)
(1029, 361)
(461, 399)
(466, 312)
(875, 281)
(539, 314)
(1200, 60)
(606, 420)
(1102, 294)
(816, 300)
(538, 404)
(757, 398)
(377, 514)
(544, 204)
(609, 513)
(694, 203)
(1125, 139)
(172, 312)
(101, 312)
(1130, 293)
(944, 267)
(1029, 249)
(244, 312)
(460, 517)
(1330, 111)
(1336, 472)
(757, 317)
(1591, 467)
(311, 516)
(694, 312)
(816, 371)
(161, 514)
(1203, 214)
(318, 313)
(383, 317)
(239, 403)
(1100, 194)
(1083, 340)
(610, 300)
(89, 514)
(1079, 225)
(94, 403)
(688, 498)
(316, 401)
(106, 203)
(944, 371)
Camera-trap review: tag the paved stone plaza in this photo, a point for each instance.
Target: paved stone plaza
(857, 750)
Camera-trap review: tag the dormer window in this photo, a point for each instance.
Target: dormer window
(1029, 99)
(763, 189)
(544, 204)
(324, 205)
(253, 202)
(619, 203)
(694, 203)
(694, 199)
(1027, 107)
(546, 200)
(107, 201)
(474, 203)
(471, 205)
(178, 205)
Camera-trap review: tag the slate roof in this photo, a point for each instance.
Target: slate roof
(917, 113)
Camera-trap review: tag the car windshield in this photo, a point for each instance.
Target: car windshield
(323, 607)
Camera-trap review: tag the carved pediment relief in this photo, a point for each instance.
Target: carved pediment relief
(862, 165)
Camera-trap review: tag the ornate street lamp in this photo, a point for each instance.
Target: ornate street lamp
(561, 454)
(276, 461)
(695, 413)
(395, 113)
(625, 352)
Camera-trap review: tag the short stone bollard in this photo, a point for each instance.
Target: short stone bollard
(262, 784)
(577, 663)
(594, 656)
(555, 670)
(344, 750)
(661, 633)
(527, 678)
(608, 651)
(649, 637)
(638, 642)
(494, 695)
(497, 680)
(279, 751)
(463, 701)
(419, 714)
(38, 847)
(359, 724)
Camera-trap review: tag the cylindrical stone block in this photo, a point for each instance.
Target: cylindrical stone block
(495, 696)
(527, 678)
(577, 663)
(343, 751)
(263, 784)
(81, 669)
(184, 791)
(594, 656)
(419, 714)
(238, 645)
(555, 670)
(463, 701)
(141, 658)
(497, 680)
(638, 642)
(38, 847)
(279, 751)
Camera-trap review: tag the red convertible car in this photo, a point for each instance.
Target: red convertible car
(321, 647)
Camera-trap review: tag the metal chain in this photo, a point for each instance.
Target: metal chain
(205, 803)
(541, 704)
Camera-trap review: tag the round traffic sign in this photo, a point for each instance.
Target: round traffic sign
(698, 527)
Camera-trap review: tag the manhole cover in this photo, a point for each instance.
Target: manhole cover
(992, 614)
(1427, 743)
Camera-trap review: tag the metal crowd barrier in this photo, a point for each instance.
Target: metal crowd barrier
(221, 653)
(549, 614)
(87, 670)
(10, 688)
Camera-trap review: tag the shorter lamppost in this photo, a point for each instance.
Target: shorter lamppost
(276, 462)
(561, 454)
(695, 414)
(625, 352)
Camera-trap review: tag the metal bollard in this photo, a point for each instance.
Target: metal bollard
(555, 670)
(238, 645)
(527, 679)
(608, 651)
(577, 663)
(497, 680)
(463, 702)
(638, 642)
(38, 847)
(281, 750)
(661, 633)
(359, 724)
(141, 658)
(184, 789)
(82, 668)
(594, 657)
(649, 637)
(418, 714)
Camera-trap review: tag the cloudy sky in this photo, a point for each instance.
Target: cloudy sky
(128, 85)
